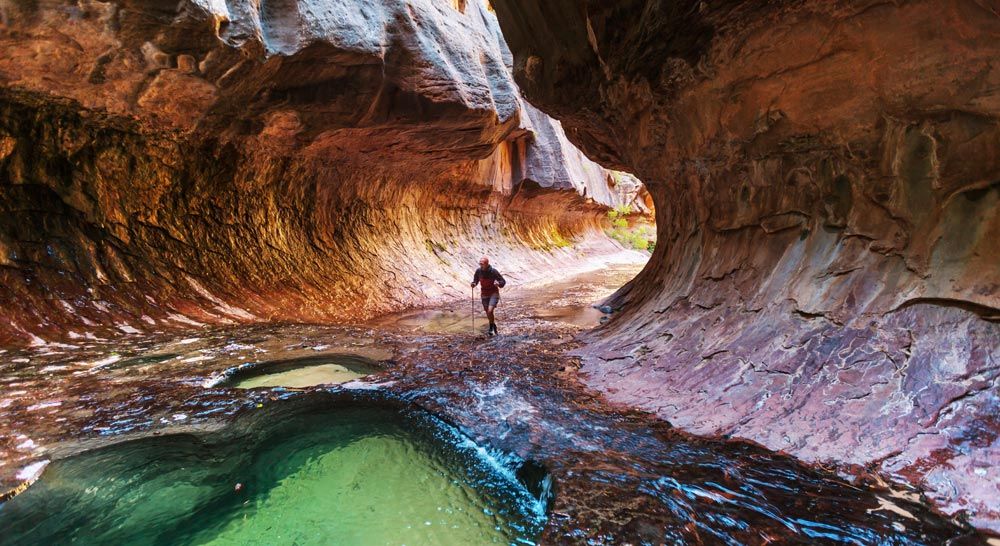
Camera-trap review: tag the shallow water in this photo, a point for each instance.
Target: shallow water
(437, 321)
(619, 476)
(320, 374)
(584, 317)
(569, 302)
(309, 475)
(304, 372)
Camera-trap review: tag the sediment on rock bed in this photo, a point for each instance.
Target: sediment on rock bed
(826, 178)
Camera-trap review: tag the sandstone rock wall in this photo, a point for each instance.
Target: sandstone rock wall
(826, 177)
(109, 227)
(164, 165)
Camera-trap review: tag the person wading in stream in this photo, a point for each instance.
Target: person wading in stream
(490, 282)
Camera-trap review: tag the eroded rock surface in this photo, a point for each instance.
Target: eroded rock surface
(826, 178)
(618, 476)
(165, 165)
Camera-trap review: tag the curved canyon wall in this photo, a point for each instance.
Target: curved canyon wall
(826, 178)
(165, 165)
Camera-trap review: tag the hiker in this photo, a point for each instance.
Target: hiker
(490, 281)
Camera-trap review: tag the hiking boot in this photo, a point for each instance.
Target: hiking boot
(493, 330)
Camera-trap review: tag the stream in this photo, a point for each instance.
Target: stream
(411, 429)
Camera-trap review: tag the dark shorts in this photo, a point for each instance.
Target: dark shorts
(491, 301)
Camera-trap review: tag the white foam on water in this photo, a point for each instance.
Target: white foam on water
(359, 385)
(502, 463)
(31, 472)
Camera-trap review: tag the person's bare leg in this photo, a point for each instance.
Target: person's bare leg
(489, 314)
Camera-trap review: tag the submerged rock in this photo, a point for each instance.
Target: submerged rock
(318, 469)
(330, 369)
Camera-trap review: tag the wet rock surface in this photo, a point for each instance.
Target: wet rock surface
(619, 475)
(824, 176)
(825, 280)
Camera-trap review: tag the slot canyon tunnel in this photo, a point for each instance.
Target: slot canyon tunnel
(824, 287)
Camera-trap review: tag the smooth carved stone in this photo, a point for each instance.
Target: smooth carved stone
(201, 163)
(825, 181)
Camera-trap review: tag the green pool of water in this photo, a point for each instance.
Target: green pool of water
(334, 475)
(305, 372)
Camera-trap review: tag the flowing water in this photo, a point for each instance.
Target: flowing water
(567, 302)
(380, 473)
(312, 474)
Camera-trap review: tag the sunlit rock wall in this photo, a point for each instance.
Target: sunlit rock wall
(164, 164)
(826, 177)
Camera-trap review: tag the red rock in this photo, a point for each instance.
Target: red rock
(825, 178)
(214, 165)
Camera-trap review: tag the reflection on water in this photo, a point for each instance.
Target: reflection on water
(312, 474)
(569, 301)
(436, 321)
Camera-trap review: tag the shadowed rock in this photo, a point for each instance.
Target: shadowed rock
(825, 178)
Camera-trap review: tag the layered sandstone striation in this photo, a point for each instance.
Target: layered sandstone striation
(169, 164)
(826, 178)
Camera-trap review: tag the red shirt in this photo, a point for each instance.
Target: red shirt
(490, 281)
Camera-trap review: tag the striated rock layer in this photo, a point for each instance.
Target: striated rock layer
(826, 178)
(164, 164)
